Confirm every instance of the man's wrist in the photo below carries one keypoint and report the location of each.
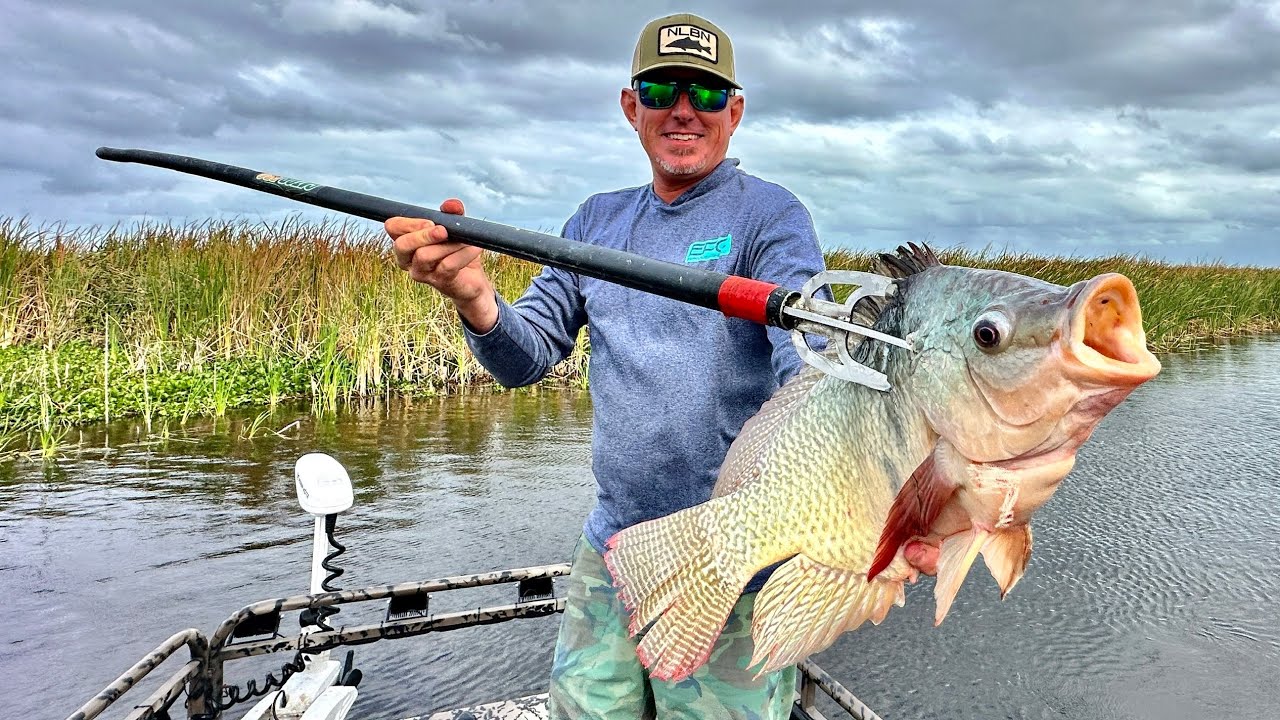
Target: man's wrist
(480, 314)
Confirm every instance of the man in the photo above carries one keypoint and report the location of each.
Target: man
(671, 384)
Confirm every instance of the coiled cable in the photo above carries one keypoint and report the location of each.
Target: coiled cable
(235, 695)
(335, 572)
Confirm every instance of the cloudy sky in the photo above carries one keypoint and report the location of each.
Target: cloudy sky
(1082, 128)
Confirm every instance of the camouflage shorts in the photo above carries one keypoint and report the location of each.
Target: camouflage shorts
(596, 674)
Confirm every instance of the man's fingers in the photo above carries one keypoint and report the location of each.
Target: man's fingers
(403, 248)
(438, 233)
(415, 231)
(406, 245)
(439, 265)
(408, 232)
(922, 556)
(398, 226)
(423, 248)
(455, 261)
(431, 257)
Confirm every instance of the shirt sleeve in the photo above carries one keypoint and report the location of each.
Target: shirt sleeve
(538, 330)
(787, 254)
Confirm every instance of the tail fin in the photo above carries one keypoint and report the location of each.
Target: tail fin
(806, 605)
(668, 574)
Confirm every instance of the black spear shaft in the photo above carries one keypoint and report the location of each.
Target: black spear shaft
(732, 295)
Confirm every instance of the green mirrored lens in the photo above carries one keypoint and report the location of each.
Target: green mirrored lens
(664, 95)
(658, 95)
(707, 99)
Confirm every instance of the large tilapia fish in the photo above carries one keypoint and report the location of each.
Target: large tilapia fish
(859, 491)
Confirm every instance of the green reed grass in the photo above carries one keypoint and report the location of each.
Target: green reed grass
(180, 320)
(1184, 307)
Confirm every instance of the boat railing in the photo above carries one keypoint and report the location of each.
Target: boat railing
(254, 630)
(185, 679)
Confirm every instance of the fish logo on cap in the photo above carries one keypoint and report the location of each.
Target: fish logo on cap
(688, 40)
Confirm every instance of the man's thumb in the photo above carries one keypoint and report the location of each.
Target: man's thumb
(453, 206)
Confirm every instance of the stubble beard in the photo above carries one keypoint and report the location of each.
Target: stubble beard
(682, 169)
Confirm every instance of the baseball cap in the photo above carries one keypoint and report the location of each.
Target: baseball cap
(684, 40)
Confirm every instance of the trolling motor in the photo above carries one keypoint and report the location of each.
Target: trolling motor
(324, 490)
(739, 297)
(325, 689)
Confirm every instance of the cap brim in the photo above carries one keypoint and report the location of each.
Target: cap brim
(699, 68)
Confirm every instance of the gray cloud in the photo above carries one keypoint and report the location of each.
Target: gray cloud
(1247, 153)
(1086, 128)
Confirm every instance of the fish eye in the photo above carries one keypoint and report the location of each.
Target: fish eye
(991, 331)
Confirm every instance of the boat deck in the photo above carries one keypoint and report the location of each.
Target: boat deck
(326, 687)
(532, 707)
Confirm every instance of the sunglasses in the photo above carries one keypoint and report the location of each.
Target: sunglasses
(662, 95)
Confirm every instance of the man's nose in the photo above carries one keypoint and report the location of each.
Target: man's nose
(683, 107)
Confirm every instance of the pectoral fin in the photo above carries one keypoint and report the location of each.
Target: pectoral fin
(918, 503)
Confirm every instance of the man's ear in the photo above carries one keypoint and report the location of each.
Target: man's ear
(737, 104)
(628, 102)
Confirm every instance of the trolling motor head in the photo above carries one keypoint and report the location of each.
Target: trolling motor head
(322, 484)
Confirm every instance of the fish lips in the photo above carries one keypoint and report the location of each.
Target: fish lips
(1102, 337)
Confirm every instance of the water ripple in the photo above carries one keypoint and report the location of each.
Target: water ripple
(1151, 593)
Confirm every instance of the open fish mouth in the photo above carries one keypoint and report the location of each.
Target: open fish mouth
(1105, 340)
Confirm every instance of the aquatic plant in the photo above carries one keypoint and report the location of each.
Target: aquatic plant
(169, 320)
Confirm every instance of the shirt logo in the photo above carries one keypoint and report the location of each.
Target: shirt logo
(705, 250)
(688, 40)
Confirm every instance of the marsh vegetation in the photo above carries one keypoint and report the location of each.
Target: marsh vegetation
(168, 321)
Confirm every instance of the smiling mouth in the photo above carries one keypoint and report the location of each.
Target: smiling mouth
(685, 137)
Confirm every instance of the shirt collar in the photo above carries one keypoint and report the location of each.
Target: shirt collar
(725, 170)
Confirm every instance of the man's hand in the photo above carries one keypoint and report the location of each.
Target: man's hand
(423, 249)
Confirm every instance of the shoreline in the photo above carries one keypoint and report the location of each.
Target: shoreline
(181, 321)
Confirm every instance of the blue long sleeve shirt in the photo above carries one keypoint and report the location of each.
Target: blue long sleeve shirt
(671, 384)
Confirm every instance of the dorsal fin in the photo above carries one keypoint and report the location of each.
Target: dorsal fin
(909, 260)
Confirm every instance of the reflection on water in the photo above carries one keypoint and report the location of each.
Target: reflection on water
(1151, 591)
(105, 557)
(1151, 594)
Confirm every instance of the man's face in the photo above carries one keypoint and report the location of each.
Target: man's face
(683, 144)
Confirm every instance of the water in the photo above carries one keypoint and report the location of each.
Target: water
(1151, 593)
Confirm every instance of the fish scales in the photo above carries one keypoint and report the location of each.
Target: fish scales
(858, 492)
